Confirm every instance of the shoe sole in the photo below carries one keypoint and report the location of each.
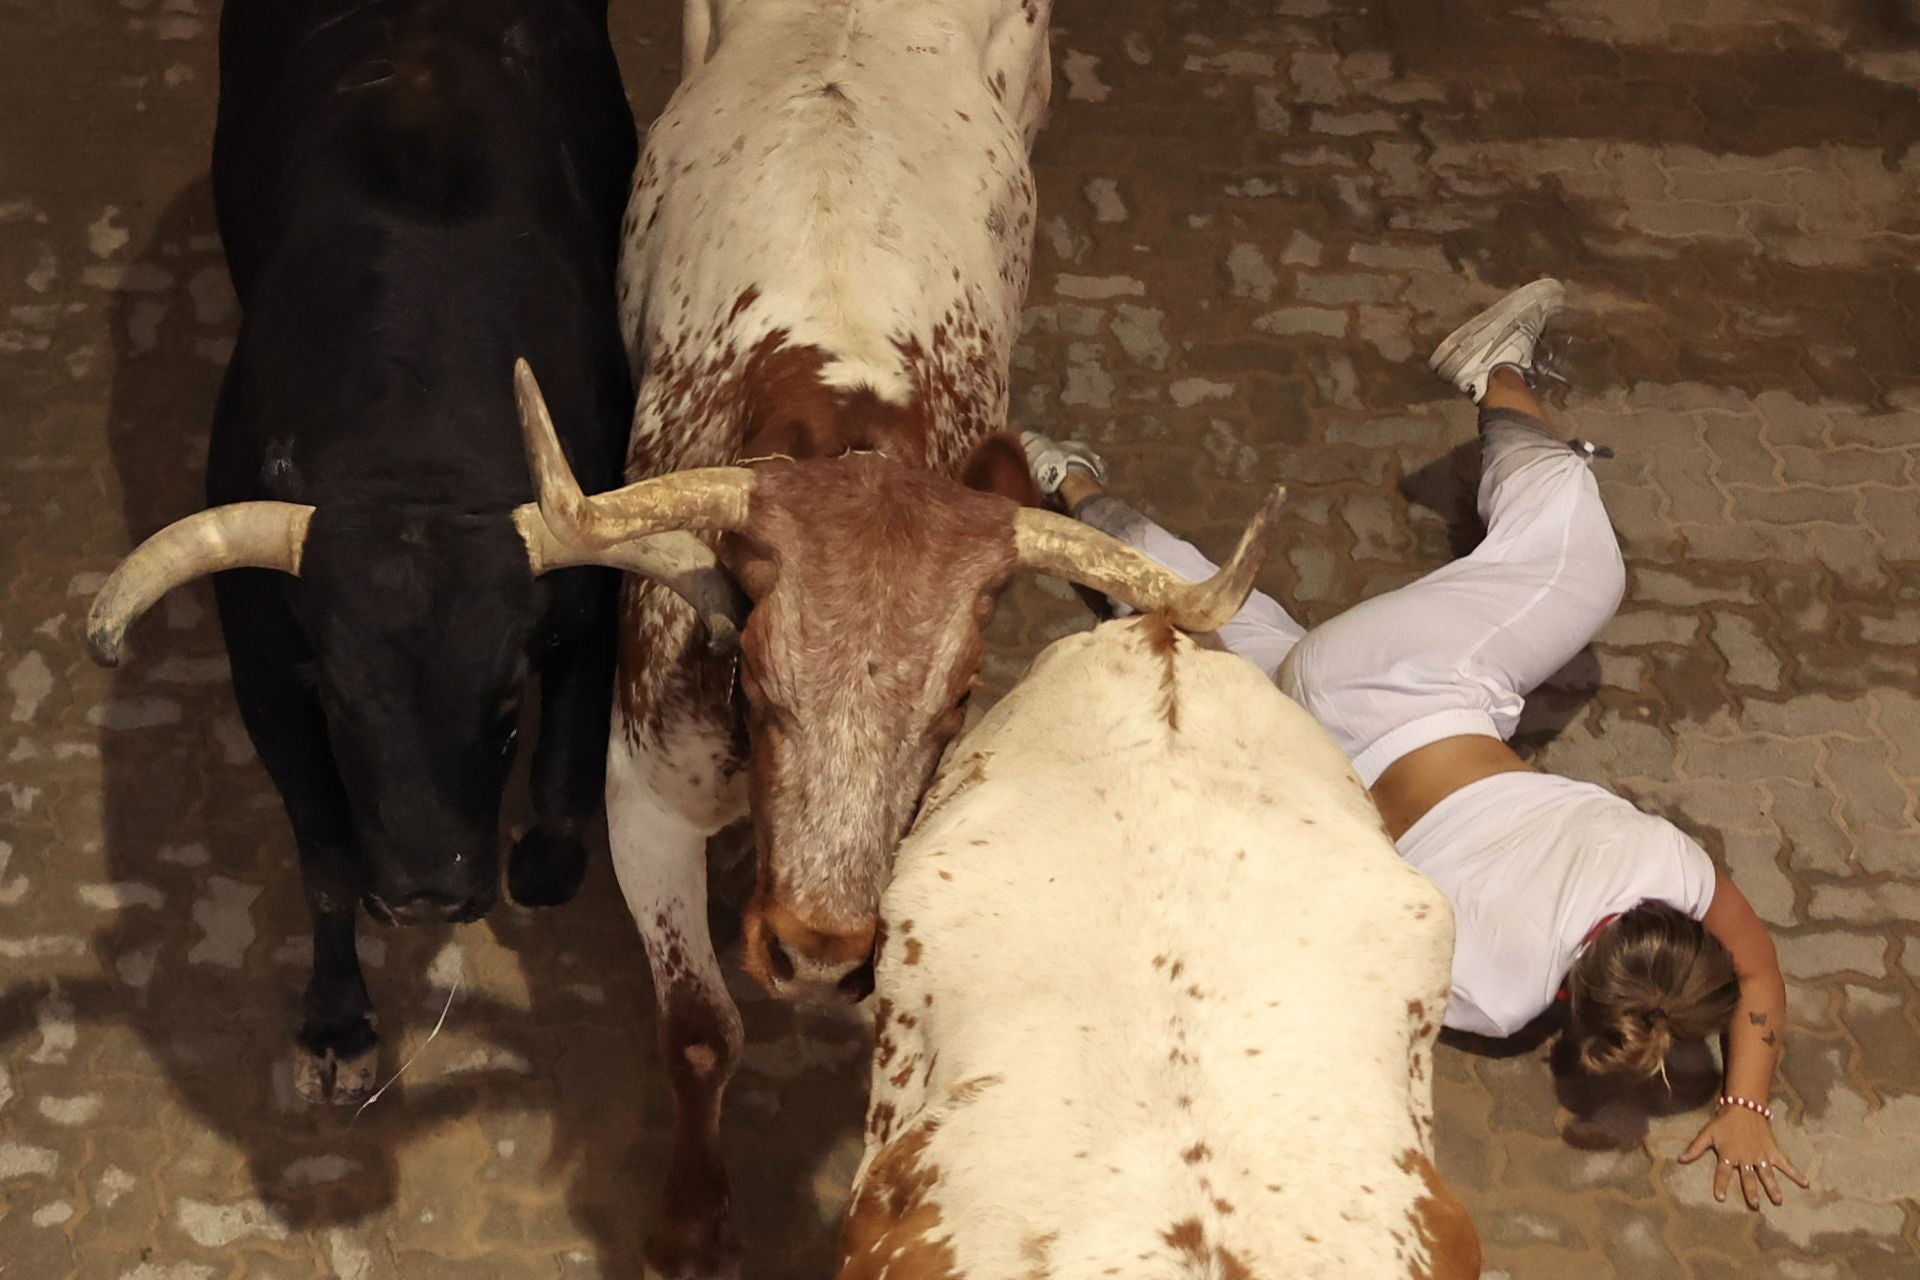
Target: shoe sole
(1497, 316)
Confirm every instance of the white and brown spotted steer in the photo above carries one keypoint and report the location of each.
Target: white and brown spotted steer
(827, 250)
(1157, 996)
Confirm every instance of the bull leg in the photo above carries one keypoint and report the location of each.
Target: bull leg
(549, 861)
(663, 803)
(338, 1048)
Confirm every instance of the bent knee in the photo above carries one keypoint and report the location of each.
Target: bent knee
(1594, 576)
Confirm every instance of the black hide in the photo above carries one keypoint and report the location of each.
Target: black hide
(412, 194)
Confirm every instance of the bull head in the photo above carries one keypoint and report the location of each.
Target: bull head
(413, 640)
(872, 582)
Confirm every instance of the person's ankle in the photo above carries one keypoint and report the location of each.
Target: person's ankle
(1511, 377)
(1076, 488)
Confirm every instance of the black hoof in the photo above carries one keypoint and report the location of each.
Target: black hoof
(337, 1067)
(545, 869)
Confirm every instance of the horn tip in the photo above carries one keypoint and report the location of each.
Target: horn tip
(104, 648)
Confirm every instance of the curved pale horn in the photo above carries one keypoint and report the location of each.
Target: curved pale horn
(710, 498)
(1056, 544)
(643, 528)
(675, 559)
(241, 535)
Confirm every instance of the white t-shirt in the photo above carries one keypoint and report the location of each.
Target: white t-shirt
(1531, 862)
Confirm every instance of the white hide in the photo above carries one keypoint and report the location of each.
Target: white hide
(860, 167)
(851, 174)
(1164, 992)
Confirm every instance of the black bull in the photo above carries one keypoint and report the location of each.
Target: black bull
(412, 194)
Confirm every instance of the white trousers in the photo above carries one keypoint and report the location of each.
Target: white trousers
(1458, 650)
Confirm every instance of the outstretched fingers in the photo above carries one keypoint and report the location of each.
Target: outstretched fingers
(1787, 1166)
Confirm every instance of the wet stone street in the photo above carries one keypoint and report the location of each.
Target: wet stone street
(1256, 219)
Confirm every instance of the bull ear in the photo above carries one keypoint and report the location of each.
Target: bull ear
(999, 465)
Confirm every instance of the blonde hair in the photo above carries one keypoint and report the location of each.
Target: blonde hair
(1651, 979)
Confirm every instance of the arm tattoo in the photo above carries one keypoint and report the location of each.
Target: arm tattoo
(1757, 1019)
(1770, 1039)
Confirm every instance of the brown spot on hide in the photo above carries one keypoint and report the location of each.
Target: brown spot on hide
(913, 952)
(1187, 1236)
(888, 1226)
(967, 1090)
(1189, 1239)
(1446, 1232)
(1196, 1153)
(791, 411)
(1163, 642)
(1035, 1249)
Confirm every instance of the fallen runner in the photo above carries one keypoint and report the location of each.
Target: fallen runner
(1557, 885)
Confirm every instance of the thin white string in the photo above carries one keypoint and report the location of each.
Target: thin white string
(451, 991)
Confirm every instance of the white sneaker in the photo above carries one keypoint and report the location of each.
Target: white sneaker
(1505, 333)
(1049, 460)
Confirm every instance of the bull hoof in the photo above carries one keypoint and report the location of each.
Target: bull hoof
(326, 1077)
(337, 1065)
(545, 868)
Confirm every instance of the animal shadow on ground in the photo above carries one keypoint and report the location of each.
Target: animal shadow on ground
(212, 991)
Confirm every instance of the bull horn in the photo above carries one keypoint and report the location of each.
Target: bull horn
(675, 559)
(1049, 543)
(713, 499)
(644, 528)
(240, 535)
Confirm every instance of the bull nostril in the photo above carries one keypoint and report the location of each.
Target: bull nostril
(779, 963)
(857, 985)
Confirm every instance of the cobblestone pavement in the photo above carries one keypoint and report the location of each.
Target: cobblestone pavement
(1257, 217)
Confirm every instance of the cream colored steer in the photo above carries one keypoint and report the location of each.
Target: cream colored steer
(1157, 996)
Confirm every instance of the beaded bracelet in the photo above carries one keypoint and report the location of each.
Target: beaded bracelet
(1735, 1100)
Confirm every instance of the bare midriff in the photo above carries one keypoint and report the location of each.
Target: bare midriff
(1425, 776)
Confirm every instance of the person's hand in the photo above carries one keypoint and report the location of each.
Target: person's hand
(1742, 1142)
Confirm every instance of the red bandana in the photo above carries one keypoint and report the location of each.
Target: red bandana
(1592, 933)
